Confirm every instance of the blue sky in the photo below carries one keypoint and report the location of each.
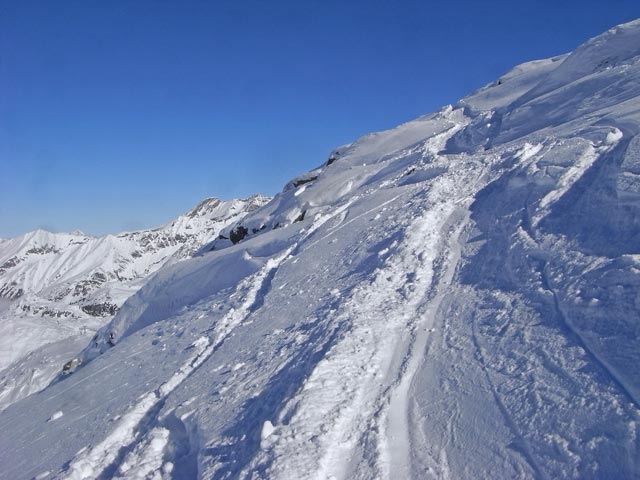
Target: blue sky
(118, 115)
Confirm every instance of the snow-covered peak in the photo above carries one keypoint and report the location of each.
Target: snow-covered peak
(614, 48)
(204, 207)
(40, 259)
(511, 86)
(213, 208)
(544, 93)
(561, 87)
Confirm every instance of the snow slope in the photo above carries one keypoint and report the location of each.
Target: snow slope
(453, 298)
(57, 289)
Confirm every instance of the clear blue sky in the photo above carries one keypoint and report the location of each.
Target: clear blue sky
(118, 115)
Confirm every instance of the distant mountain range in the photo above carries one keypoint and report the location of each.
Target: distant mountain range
(71, 275)
(59, 285)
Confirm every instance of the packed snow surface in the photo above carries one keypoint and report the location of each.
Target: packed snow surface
(457, 297)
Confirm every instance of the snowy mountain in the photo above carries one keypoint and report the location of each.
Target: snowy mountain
(57, 288)
(453, 298)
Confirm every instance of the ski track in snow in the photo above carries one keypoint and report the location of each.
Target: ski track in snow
(64, 276)
(396, 429)
(347, 389)
(144, 458)
(524, 446)
(92, 462)
(147, 458)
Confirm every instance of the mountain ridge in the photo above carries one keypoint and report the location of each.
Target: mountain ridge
(60, 287)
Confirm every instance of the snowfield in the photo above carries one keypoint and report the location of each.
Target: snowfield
(455, 298)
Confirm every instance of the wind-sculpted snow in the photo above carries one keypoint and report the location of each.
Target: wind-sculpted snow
(453, 298)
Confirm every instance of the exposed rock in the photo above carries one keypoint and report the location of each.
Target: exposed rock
(300, 217)
(100, 309)
(203, 207)
(302, 181)
(71, 366)
(12, 262)
(238, 233)
(11, 291)
(83, 287)
(46, 311)
(42, 250)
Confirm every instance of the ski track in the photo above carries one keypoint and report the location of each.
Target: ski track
(395, 434)
(575, 172)
(524, 447)
(90, 463)
(389, 320)
(584, 344)
(147, 458)
(346, 392)
(144, 458)
(568, 179)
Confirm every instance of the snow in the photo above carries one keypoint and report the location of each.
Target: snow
(453, 298)
(512, 85)
(90, 463)
(528, 151)
(267, 430)
(145, 462)
(58, 273)
(56, 415)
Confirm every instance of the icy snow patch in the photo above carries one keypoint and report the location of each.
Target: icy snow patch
(528, 151)
(613, 137)
(267, 437)
(56, 416)
(146, 460)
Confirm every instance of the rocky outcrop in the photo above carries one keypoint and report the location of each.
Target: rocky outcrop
(100, 309)
(237, 234)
